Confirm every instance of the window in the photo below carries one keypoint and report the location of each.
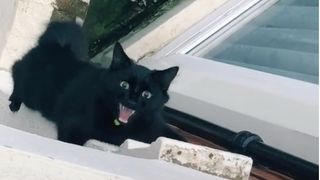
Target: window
(225, 71)
(274, 36)
(282, 40)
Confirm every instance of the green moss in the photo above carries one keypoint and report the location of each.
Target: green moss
(68, 10)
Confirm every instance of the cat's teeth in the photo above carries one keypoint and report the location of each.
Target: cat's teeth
(121, 106)
(124, 108)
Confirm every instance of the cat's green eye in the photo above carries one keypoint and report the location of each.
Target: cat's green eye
(146, 94)
(124, 84)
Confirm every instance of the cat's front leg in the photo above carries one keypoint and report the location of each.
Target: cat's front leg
(73, 133)
(15, 102)
(110, 138)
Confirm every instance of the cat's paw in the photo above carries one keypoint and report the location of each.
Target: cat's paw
(14, 106)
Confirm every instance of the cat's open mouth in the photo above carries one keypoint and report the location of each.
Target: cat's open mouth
(125, 113)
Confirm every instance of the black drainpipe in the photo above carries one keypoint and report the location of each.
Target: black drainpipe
(245, 143)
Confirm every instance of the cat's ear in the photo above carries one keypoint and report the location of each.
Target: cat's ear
(120, 59)
(164, 77)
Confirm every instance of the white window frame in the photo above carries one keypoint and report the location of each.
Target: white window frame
(282, 110)
(218, 25)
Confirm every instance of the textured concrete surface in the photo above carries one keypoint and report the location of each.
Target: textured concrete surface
(212, 161)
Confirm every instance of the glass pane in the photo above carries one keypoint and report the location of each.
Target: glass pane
(283, 40)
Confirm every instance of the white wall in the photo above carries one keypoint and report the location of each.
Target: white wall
(7, 13)
(28, 22)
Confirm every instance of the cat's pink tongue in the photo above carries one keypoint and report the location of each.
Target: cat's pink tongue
(125, 113)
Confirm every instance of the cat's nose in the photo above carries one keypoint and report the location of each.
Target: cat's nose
(132, 102)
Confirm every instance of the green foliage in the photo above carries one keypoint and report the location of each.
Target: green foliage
(103, 15)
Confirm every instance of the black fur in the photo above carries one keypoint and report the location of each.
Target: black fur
(83, 100)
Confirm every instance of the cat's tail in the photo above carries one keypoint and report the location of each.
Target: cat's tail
(69, 35)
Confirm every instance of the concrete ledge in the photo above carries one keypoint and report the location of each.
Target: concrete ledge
(17, 165)
(106, 162)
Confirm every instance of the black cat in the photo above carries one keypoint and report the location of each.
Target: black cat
(87, 102)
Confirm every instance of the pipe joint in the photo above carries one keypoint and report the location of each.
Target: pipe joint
(242, 139)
